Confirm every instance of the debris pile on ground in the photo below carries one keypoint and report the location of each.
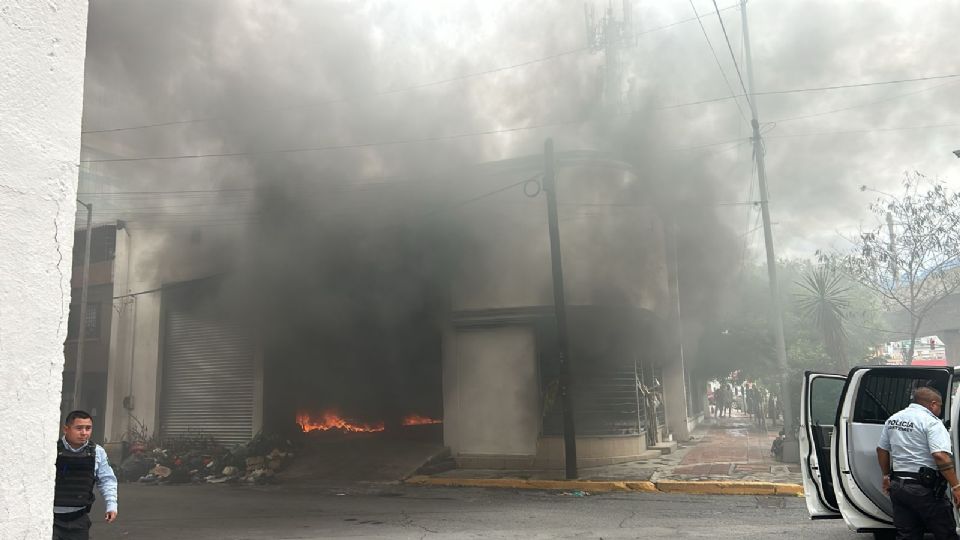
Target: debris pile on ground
(199, 460)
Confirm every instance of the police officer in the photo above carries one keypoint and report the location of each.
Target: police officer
(921, 470)
(80, 465)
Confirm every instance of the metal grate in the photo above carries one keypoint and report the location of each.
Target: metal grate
(605, 404)
(208, 383)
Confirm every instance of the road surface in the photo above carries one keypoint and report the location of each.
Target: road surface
(204, 512)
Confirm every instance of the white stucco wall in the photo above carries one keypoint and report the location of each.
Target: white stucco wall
(612, 244)
(490, 392)
(146, 260)
(41, 101)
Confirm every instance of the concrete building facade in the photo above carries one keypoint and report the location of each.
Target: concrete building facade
(498, 366)
(501, 407)
(41, 102)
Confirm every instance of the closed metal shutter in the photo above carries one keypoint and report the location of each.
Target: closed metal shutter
(605, 404)
(208, 382)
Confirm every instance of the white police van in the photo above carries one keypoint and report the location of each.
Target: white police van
(840, 422)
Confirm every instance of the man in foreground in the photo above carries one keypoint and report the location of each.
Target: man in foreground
(80, 465)
(917, 464)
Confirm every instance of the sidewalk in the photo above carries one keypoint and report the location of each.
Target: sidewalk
(724, 455)
(731, 449)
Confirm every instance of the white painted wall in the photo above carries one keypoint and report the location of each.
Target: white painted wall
(146, 260)
(491, 393)
(611, 254)
(41, 102)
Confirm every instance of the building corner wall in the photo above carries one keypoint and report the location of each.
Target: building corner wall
(41, 102)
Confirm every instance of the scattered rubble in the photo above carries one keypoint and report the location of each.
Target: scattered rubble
(198, 460)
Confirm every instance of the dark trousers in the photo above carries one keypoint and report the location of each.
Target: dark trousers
(916, 508)
(71, 529)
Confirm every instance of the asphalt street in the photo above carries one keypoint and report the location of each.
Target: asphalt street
(204, 512)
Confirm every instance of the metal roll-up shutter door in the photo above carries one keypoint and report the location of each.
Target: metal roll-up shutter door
(208, 384)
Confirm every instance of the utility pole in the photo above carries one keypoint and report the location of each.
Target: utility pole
(82, 324)
(560, 309)
(777, 313)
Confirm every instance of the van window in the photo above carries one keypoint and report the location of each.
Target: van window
(886, 391)
(824, 399)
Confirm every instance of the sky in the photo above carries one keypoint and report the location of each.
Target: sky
(245, 77)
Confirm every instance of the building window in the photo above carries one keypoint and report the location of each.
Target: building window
(92, 326)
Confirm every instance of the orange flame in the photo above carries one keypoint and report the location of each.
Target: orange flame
(330, 420)
(418, 420)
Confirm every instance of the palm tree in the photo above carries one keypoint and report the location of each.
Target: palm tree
(826, 302)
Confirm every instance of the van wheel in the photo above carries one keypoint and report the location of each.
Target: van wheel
(889, 534)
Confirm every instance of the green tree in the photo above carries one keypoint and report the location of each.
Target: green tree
(825, 301)
(910, 257)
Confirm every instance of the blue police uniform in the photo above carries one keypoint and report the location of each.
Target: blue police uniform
(912, 436)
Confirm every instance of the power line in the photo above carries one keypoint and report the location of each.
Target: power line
(419, 86)
(220, 190)
(813, 89)
(864, 104)
(334, 147)
(740, 140)
(860, 131)
(355, 98)
(717, 60)
(730, 48)
(815, 134)
(158, 222)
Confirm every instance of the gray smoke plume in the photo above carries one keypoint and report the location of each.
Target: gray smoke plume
(340, 252)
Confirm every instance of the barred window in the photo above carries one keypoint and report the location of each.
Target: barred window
(884, 392)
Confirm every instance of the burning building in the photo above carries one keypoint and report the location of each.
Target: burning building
(444, 316)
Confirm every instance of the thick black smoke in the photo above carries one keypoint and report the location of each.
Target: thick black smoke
(342, 258)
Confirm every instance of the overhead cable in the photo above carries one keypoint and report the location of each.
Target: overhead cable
(333, 147)
(730, 48)
(404, 89)
(813, 89)
(717, 60)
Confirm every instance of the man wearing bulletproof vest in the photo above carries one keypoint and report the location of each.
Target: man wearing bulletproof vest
(917, 464)
(81, 464)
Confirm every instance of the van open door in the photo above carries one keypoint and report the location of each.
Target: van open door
(953, 425)
(871, 396)
(819, 402)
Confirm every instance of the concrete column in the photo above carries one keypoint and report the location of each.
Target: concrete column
(674, 387)
(675, 399)
(41, 98)
(951, 340)
(116, 420)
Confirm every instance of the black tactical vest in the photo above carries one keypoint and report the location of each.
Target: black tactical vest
(75, 476)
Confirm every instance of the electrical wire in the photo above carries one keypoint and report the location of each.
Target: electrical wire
(813, 89)
(419, 86)
(732, 56)
(861, 131)
(334, 147)
(865, 104)
(717, 60)
(354, 98)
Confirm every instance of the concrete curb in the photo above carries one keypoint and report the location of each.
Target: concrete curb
(597, 486)
(730, 488)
